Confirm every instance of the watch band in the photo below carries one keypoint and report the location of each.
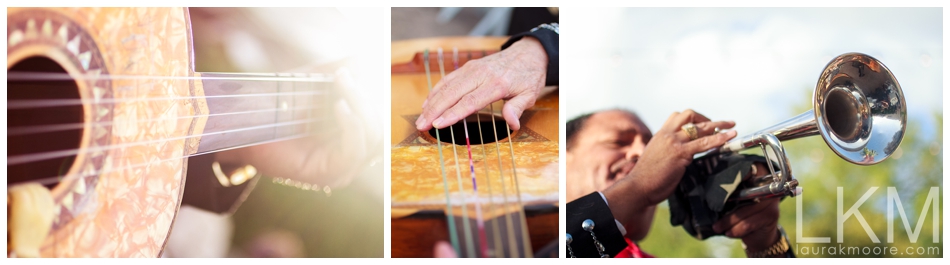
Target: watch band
(781, 249)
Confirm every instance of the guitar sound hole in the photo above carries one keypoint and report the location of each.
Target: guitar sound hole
(487, 132)
(29, 128)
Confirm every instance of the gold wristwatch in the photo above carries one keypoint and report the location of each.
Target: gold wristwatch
(777, 250)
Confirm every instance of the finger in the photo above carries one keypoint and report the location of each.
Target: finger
(453, 76)
(703, 144)
(469, 104)
(345, 86)
(732, 219)
(709, 128)
(694, 117)
(766, 218)
(340, 165)
(444, 250)
(515, 107)
(689, 116)
(676, 121)
(447, 93)
(669, 123)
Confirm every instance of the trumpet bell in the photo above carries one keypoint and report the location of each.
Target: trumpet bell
(860, 109)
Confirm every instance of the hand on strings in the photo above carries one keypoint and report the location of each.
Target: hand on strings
(515, 74)
(332, 159)
(756, 224)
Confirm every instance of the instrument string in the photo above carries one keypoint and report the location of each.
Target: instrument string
(57, 179)
(483, 247)
(445, 183)
(46, 76)
(46, 103)
(496, 234)
(25, 130)
(512, 242)
(33, 157)
(466, 224)
(514, 174)
(491, 196)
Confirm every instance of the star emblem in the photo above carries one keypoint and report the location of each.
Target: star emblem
(731, 187)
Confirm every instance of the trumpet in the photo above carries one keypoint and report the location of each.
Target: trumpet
(859, 111)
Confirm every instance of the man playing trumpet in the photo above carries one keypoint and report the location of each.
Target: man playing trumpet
(618, 171)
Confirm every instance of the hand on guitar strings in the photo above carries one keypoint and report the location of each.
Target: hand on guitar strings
(516, 74)
(327, 159)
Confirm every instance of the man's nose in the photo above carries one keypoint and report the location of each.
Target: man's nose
(633, 152)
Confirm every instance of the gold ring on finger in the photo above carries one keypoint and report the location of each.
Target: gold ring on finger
(691, 131)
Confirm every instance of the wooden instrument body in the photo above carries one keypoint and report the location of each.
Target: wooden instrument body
(418, 194)
(121, 195)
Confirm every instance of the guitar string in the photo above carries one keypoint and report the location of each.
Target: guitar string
(25, 130)
(33, 157)
(47, 76)
(445, 183)
(47, 103)
(466, 224)
(514, 172)
(496, 234)
(480, 223)
(512, 244)
(57, 179)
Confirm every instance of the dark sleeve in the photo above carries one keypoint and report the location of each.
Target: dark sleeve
(202, 189)
(593, 207)
(548, 39)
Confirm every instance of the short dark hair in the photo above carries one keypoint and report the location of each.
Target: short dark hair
(575, 125)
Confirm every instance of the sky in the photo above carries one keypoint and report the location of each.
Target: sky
(749, 65)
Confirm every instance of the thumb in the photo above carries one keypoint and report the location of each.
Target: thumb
(514, 108)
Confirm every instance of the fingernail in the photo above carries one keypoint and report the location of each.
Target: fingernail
(731, 133)
(729, 234)
(420, 122)
(437, 122)
(424, 103)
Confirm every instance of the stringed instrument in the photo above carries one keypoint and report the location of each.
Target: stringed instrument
(489, 191)
(104, 109)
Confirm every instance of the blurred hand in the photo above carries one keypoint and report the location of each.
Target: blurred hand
(756, 225)
(516, 74)
(444, 250)
(328, 159)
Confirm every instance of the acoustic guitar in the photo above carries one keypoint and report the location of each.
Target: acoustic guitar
(489, 191)
(104, 109)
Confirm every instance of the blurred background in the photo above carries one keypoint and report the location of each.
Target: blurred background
(424, 22)
(277, 220)
(758, 67)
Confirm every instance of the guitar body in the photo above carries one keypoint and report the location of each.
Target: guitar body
(419, 205)
(122, 190)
